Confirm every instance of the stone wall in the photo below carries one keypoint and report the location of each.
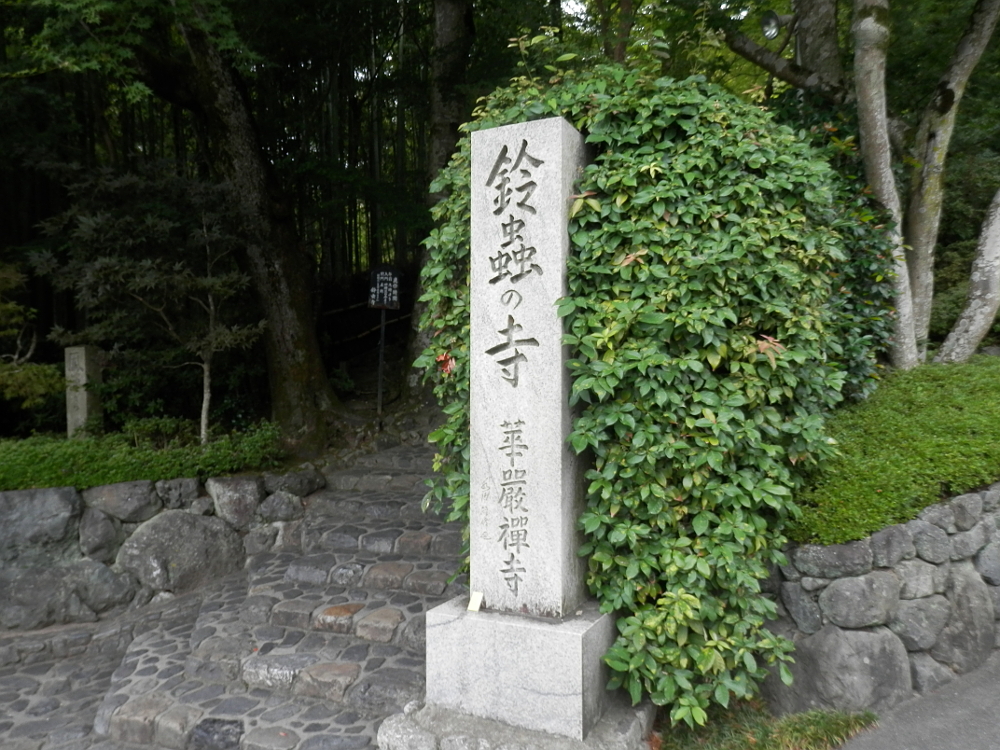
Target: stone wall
(72, 557)
(898, 613)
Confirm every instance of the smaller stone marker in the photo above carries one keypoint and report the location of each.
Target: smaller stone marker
(83, 369)
(531, 657)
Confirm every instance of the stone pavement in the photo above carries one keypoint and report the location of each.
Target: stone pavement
(308, 649)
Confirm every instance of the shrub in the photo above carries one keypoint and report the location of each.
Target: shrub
(924, 435)
(704, 243)
(92, 461)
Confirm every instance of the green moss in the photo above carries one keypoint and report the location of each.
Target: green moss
(924, 435)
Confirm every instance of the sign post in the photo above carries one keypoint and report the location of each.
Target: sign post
(383, 294)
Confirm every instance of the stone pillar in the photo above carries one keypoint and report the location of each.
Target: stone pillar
(532, 657)
(83, 368)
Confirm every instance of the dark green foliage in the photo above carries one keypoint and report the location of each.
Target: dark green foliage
(750, 726)
(924, 435)
(144, 454)
(705, 240)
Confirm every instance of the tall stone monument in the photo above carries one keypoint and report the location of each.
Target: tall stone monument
(83, 369)
(531, 655)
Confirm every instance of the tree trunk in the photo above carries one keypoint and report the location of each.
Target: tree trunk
(453, 36)
(871, 38)
(984, 293)
(923, 216)
(302, 400)
(816, 41)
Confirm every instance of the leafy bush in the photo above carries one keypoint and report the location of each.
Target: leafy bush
(705, 238)
(92, 461)
(924, 435)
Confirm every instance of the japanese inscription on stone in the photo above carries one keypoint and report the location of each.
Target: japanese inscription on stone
(521, 468)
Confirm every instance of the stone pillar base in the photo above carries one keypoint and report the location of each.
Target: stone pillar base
(529, 672)
(435, 728)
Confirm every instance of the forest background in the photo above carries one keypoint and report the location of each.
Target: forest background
(209, 182)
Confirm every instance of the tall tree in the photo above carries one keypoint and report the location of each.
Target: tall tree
(918, 226)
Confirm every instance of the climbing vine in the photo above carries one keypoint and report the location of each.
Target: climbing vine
(701, 312)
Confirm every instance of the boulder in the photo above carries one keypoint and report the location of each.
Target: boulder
(861, 601)
(967, 543)
(844, 670)
(930, 541)
(282, 506)
(918, 622)
(178, 551)
(33, 598)
(991, 498)
(967, 510)
(835, 560)
(988, 563)
(236, 498)
(942, 516)
(801, 607)
(131, 502)
(967, 640)
(916, 578)
(39, 527)
(892, 544)
(178, 493)
(100, 535)
(928, 674)
(302, 483)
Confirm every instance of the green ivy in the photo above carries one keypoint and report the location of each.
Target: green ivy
(702, 317)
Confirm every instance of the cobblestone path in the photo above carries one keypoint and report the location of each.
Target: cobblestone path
(304, 650)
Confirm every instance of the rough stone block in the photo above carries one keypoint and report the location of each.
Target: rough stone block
(294, 613)
(327, 681)
(373, 482)
(835, 560)
(447, 544)
(433, 582)
(928, 674)
(314, 569)
(259, 539)
(127, 501)
(967, 510)
(991, 498)
(413, 543)
(809, 583)
(347, 575)
(236, 498)
(965, 544)
(918, 622)
(302, 483)
(844, 670)
(269, 738)
(988, 563)
(892, 544)
(380, 541)
(801, 607)
(538, 674)
(282, 506)
(968, 638)
(916, 579)
(179, 551)
(338, 618)
(942, 516)
(931, 541)
(861, 601)
(387, 575)
(216, 734)
(39, 526)
(380, 625)
(275, 671)
(178, 493)
(134, 722)
(173, 727)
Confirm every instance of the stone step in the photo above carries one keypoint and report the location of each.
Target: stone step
(223, 681)
(424, 537)
(341, 504)
(407, 459)
(419, 575)
(374, 479)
